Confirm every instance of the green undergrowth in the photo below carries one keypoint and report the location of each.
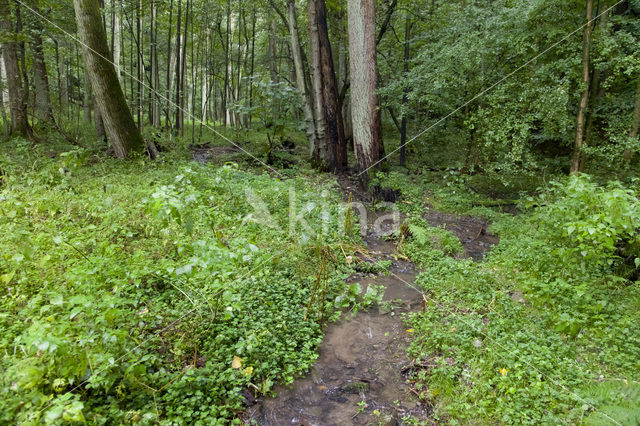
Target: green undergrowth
(546, 329)
(158, 291)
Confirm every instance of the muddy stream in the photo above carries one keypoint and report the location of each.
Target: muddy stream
(359, 376)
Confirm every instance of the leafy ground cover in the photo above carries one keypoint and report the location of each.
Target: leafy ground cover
(545, 330)
(144, 291)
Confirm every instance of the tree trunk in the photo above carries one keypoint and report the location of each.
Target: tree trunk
(580, 120)
(19, 123)
(87, 104)
(299, 67)
(635, 124)
(167, 112)
(334, 130)
(178, 66)
(6, 125)
(118, 122)
(365, 114)
(320, 147)
(41, 79)
(273, 67)
(405, 91)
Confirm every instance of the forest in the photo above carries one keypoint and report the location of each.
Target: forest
(380, 212)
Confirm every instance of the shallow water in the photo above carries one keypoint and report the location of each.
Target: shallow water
(362, 358)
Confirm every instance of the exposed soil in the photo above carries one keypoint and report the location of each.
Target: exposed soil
(471, 231)
(206, 153)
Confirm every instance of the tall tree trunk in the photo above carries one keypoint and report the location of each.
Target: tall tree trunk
(227, 64)
(183, 65)
(251, 69)
(635, 123)
(120, 128)
(320, 147)
(6, 125)
(178, 66)
(19, 123)
(41, 79)
(365, 114)
(405, 91)
(299, 67)
(167, 112)
(580, 119)
(334, 130)
(273, 67)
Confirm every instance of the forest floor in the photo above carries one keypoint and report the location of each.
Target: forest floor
(150, 292)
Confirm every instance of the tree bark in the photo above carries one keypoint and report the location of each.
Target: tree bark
(19, 123)
(41, 79)
(405, 91)
(635, 124)
(365, 114)
(273, 67)
(580, 119)
(334, 130)
(320, 147)
(119, 126)
(299, 67)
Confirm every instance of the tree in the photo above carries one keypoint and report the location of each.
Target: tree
(365, 114)
(118, 122)
(19, 122)
(335, 142)
(576, 165)
(635, 122)
(300, 78)
(41, 79)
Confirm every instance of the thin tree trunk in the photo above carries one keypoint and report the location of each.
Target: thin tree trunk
(365, 114)
(6, 125)
(405, 91)
(253, 45)
(118, 122)
(227, 61)
(320, 147)
(19, 123)
(273, 67)
(580, 119)
(41, 79)
(183, 65)
(299, 68)
(635, 124)
(167, 111)
(178, 66)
